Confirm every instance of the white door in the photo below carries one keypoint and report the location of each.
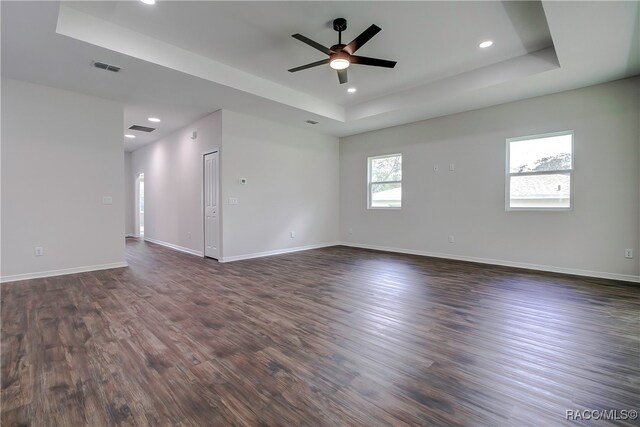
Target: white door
(211, 205)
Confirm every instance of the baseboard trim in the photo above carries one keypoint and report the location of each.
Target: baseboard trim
(548, 268)
(63, 272)
(175, 247)
(277, 252)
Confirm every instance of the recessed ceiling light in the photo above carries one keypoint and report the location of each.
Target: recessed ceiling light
(148, 1)
(486, 44)
(128, 135)
(153, 119)
(352, 90)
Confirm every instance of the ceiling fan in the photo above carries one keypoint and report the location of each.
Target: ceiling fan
(340, 55)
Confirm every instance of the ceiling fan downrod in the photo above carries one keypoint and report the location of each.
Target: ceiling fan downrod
(339, 24)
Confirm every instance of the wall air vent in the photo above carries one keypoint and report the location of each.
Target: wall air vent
(311, 122)
(142, 128)
(107, 67)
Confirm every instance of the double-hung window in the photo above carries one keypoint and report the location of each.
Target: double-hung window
(540, 172)
(385, 182)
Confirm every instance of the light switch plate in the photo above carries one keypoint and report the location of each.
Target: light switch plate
(107, 200)
(234, 201)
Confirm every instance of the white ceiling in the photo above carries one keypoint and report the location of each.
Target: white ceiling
(256, 37)
(182, 60)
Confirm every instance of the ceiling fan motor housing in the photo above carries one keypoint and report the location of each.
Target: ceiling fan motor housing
(337, 47)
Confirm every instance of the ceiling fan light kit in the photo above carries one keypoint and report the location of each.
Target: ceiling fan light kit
(341, 56)
(339, 61)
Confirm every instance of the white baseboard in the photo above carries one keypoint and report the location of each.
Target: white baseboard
(175, 247)
(51, 273)
(277, 252)
(549, 268)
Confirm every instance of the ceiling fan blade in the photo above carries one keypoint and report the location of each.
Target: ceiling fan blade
(313, 64)
(362, 39)
(311, 43)
(342, 76)
(363, 60)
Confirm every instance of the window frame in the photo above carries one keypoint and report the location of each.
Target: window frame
(369, 183)
(509, 174)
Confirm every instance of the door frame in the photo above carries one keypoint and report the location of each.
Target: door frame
(204, 206)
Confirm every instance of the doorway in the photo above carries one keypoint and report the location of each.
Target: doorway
(139, 206)
(211, 233)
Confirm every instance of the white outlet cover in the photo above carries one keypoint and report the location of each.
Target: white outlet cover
(107, 200)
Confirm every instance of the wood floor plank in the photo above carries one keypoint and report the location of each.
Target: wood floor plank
(334, 336)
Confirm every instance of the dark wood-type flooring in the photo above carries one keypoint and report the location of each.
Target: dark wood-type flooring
(327, 337)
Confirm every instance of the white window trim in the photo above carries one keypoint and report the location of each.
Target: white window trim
(509, 174)
(369, 183)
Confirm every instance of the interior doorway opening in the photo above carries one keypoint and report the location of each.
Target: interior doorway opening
(139, 215)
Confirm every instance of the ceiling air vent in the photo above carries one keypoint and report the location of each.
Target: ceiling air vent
(142, 128)
(311, 122)
(107, 67)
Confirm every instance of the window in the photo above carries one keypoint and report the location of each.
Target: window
(540, 172)
(385, 182)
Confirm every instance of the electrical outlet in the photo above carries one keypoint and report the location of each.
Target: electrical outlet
(350, 230)
(452, 167)
(39, 251)
(234, 201)
(436, 168)
(451, 239)
(628, 253)
(292, 234)
(189, 235)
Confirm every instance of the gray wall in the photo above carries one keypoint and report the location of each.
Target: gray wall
(61, 153)
(469, 202)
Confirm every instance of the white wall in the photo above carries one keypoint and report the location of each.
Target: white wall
(173, 180)
(292, 174)
(292, 185)
(61, 153)
(129, 196)
(469, 202)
